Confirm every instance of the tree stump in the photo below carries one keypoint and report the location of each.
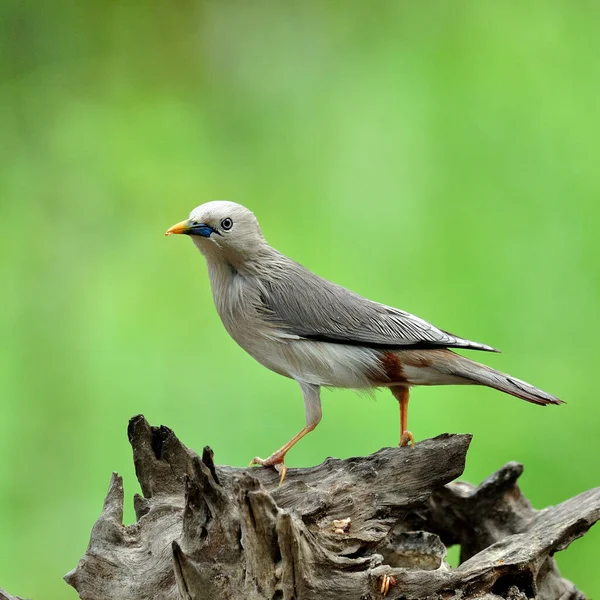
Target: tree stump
(357, 529)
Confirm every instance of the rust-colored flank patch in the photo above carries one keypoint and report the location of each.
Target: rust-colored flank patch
(391, 367)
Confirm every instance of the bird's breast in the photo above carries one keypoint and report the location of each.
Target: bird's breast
(237, 302)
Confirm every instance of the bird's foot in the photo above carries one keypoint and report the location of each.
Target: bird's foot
(275, 461)
(407, 438)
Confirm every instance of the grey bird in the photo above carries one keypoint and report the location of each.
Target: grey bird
(321, 334)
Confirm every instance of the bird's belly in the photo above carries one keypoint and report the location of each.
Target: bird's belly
(264, 349)
(320, 363)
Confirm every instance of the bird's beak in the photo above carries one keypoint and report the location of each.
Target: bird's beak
(187, 228)
(182, 227)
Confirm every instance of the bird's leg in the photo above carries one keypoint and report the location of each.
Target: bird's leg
(312, 406)
(276, 459)
(401, 394)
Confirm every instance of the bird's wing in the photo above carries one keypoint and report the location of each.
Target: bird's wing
(303, 304)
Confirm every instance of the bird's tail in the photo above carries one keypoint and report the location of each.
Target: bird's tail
(474, 372)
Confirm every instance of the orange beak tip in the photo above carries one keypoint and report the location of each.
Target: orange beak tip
(178, 228)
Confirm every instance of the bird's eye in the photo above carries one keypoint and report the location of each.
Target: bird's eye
(226, 224)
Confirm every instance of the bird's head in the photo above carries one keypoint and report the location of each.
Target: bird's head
(224, 229)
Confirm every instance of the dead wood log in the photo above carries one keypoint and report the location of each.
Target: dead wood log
(360, 529)
(6, 596)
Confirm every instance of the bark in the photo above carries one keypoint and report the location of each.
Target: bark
(4, 595)
(360, 529)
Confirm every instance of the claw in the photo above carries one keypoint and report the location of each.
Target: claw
(407, 438)
(282, 470)
(275, 461)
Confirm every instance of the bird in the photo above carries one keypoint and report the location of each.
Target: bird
(321, 334)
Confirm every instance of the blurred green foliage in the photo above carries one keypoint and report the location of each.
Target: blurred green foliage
(441, 157)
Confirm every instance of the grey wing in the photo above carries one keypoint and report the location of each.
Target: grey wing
(308, 306)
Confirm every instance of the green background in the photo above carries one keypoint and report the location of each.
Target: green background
(441, 157)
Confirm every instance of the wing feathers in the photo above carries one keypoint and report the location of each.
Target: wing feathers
(304, 304)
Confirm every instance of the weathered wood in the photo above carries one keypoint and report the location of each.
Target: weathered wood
(346, 529)
(6, 596)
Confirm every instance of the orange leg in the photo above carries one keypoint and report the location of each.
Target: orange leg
(401, 394)
(312, 405)
(276, 459)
